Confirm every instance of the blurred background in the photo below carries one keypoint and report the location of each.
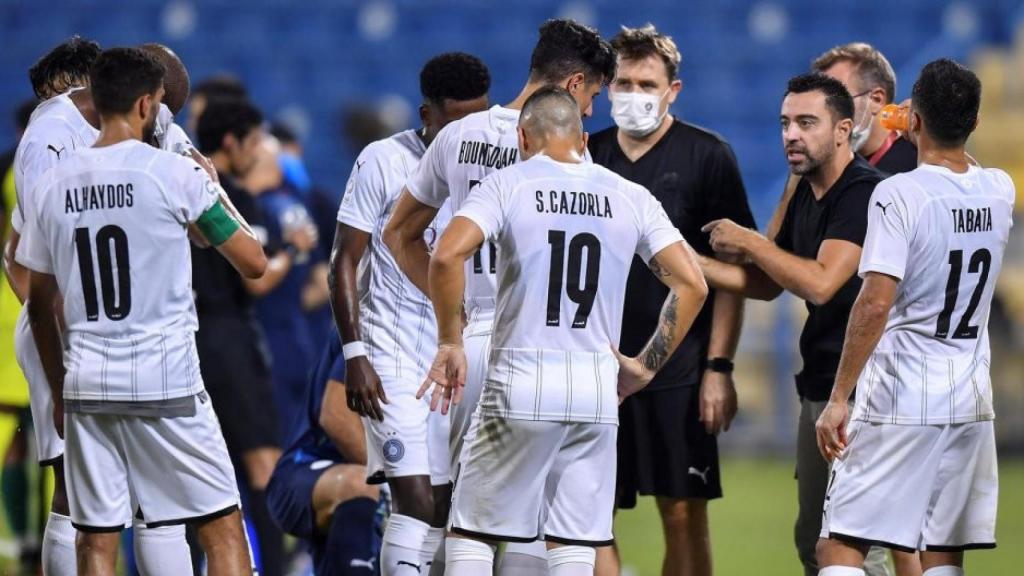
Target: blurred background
(341, 73)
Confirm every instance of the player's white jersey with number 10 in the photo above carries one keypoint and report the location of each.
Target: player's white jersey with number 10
(567, 234)
(942, 234)
(111, 224)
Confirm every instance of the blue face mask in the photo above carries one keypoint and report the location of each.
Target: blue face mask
(294, 172)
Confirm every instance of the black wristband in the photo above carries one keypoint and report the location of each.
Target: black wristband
(723, 365)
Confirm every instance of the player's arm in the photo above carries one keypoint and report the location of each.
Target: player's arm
(43, 295)
(867, 323)
(342, 425)
(364, 389)
(676, 267)
(225, 229)
(718, 402)
(17, 275)
(746, 280)
(447, 278)
(403, 235)
(816, 281)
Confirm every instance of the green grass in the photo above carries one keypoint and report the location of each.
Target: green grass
(752, 527)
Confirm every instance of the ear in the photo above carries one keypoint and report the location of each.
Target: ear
(229, 143)
(575, 82)
(876, 100)
(523, 147)
(674, 89)
(143, 104)
(585, 140)
(843, 129)
(425, 115)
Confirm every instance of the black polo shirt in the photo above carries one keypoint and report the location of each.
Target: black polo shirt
(693, 172)
(901, 157)
(842, 214)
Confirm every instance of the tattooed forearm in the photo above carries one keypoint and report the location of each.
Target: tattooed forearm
(656, 352)
(658, 270)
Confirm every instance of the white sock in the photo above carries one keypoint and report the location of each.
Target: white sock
(429, 553)
(467, 557)
(944, 571)
(59, 546)
(840, 571)
(403, 541)
(571, 561)
(529, 559)
(162, 550)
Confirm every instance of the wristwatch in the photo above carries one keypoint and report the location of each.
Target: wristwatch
(723, 365)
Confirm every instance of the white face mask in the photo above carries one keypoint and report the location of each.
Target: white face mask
(636, 113)
(861, 132)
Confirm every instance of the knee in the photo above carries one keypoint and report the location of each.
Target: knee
(684, 517)
(823, 552)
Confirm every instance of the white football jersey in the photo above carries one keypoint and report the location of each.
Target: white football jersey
(396, 318)
(169, 135)
(463, 154)
(567, 234)
(55, 130)
(111, 224)
(943, 235)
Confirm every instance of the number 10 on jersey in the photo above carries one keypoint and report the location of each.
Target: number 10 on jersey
(111, 251)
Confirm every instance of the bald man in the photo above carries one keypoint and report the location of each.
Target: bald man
(544, 434)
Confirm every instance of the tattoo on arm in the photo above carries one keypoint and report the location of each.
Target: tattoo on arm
(655, 353)
(658, 270)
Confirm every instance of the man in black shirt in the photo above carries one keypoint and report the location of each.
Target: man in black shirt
(667, 444)
(815, 256)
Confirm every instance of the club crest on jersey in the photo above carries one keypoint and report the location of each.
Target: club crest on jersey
(393, 450)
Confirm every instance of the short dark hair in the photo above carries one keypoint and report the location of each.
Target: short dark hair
(65, 66)
(223, 117)
(121, 76)
(947, 95)
(566, 47)
(176, 79)
(837, 97)
(454, 76)
(221, 87)
(639, 43)
(872, 67)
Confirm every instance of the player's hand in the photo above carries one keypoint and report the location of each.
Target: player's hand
(363, 389)
(58, 416)
(447, 376)
(727, 237)
(633, 375)
(205, 163)
(718, 403)
(831, 430)
(304, 238)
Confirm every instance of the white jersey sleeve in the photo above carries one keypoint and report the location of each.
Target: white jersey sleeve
(366, 192)
(37, 154)
(33, 252)
(890, 225)
(192, 191)
(656, 231)
(485, 207)
(429, 182)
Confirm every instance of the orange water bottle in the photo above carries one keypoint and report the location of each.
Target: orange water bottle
(894, 117)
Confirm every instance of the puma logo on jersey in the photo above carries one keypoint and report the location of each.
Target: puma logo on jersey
(884, 208)
(357, 563)
(404, 563)
(53, 149)
(359, 164)
(702, 475)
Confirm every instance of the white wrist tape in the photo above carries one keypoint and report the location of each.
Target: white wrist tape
(353, 350)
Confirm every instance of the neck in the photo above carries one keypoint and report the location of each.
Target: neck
(524, 94)
(221, 162)
(82, 99)
(563, 150)
(956, 158)
(875, 140)
(634, 147)
(115, 129)
(825, 177)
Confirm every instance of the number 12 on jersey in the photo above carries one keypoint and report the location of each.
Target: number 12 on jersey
(583, 295)
(111, 251)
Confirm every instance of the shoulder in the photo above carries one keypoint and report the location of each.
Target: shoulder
(1003, 182)
(861, 177)
(699, 139)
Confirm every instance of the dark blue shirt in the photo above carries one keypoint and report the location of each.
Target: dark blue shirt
(309, 442)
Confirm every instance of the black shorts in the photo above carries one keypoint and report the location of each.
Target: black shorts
(664, 449)
(235, 368)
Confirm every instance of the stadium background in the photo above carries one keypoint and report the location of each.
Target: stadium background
(326, 66)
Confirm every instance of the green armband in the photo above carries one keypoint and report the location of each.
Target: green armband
(217, 225)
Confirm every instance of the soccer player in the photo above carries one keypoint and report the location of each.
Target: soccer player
(106, 240)
(915, 468)
(318, 491)
(567, 54)
(814, 256)
(667, 433)
(386, 321)
(544, 431)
